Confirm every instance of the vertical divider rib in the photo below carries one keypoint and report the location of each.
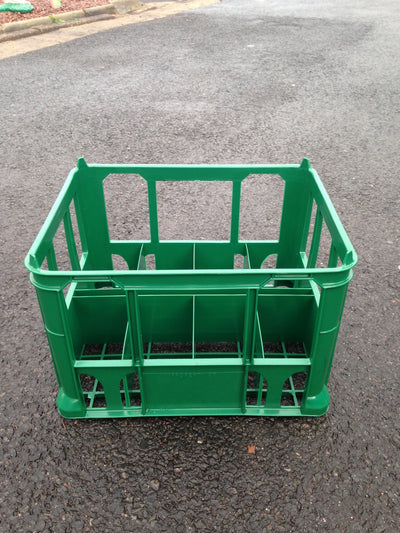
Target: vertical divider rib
(312, 258)
(91, 395)
(248, 256)
(249, 325)
(152, 194)
(259, 333)
(141, 389)
(333, 257)
(126, 392)
(260, 390)
(71, 245)
(284, 350)
(82, 234)
(194, 327)
(140, 264)
(292, 389)
(245, 379)
(235, 214)
(307, 221)
(135, 327)
(194, 310)
(125, 349)
(51, 258)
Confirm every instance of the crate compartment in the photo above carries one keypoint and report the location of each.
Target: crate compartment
(167, 256)
(167, 323)
(220, 256)
(191, 326)
(219, 318)
(97, 321)
(286, 323)
(150, 327)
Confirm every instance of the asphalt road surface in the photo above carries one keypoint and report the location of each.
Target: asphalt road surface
(236, 82)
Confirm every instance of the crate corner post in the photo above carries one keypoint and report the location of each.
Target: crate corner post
(70, 407)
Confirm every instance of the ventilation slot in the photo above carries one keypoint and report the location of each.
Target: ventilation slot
(93, 391)
(293, 390)
(130, 390)
(256, 391)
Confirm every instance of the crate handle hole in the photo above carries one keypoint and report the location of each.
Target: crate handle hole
(293, 389)
(240, 262)
(119, 263)
(93, 391)
(270, 261)
(150, 262)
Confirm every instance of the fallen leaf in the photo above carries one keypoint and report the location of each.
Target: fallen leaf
(251, 448)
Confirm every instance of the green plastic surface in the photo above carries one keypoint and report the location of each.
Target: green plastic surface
(185, 329)
(14, 7)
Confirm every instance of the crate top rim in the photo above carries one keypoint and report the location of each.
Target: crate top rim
(241, 171)
(273, 273)
(177, 280)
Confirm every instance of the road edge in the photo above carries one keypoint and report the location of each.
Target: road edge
(26, 28)
(76, 30)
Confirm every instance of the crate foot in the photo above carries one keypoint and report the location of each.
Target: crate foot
(316, 405)
(69, 407)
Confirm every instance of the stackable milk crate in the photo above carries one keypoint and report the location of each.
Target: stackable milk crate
(152, 327)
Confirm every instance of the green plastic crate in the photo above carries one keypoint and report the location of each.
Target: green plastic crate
(194, 327)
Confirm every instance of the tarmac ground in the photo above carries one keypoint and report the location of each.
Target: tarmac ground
(226, 83)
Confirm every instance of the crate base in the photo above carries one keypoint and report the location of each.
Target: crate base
(311, 407)
(137, 413)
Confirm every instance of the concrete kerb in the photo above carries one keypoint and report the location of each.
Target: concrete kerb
(24, 28)
(43, 36)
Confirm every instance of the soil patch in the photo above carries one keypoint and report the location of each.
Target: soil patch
(42, 8)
